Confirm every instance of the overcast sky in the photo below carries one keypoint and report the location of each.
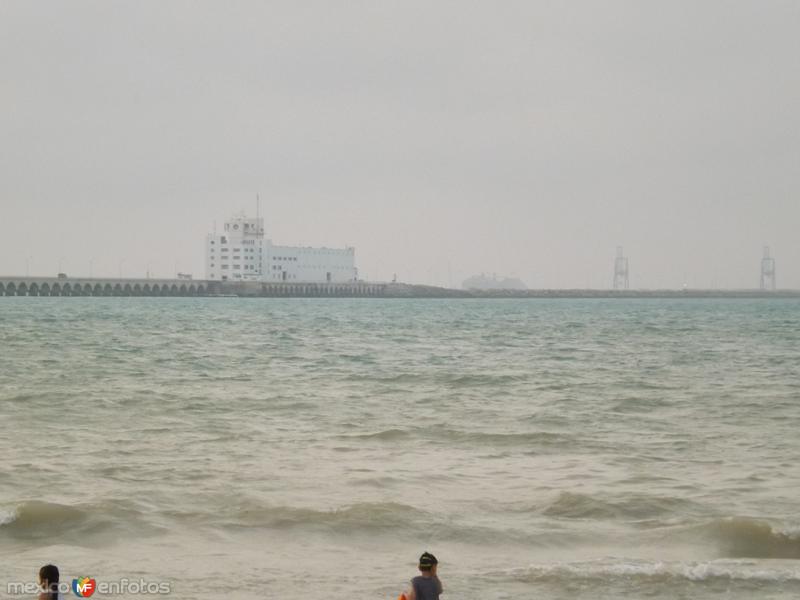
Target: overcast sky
(441, 139)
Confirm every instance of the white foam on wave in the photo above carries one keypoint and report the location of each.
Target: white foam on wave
(737, 570)
(793, 532)
(8, 516)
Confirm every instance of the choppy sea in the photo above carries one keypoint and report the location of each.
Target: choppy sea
(313, 448)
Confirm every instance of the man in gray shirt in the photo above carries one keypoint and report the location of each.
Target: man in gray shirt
(426, 586)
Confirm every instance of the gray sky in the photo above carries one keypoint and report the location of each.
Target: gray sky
(441, 139)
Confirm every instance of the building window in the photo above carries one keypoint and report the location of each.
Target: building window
(223, 266)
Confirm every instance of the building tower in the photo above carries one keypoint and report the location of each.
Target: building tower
(620, 271)
(767, 271)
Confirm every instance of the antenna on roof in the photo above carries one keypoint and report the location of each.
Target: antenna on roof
(258, 206)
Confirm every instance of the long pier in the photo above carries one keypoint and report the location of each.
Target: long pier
(88, 286)
(92, 286)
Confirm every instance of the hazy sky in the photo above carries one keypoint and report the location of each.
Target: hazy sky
(441, 139)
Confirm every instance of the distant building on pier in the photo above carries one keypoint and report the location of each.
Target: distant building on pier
(242, 253)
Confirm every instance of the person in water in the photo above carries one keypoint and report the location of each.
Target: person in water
(426, 585)
(48, 581)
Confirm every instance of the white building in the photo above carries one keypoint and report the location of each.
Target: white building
(241, 253)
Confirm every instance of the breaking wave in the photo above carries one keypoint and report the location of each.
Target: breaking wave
(656, 571)
(740, 537)
(41, 520)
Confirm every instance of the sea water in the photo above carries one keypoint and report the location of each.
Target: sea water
(313, 448)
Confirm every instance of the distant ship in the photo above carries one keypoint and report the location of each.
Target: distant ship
(484, 282)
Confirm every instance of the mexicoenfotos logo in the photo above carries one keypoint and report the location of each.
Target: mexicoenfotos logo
(84, 586)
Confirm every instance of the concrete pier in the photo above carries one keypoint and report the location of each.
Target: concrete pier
(354, 289)
(90, 286)
(85, 286)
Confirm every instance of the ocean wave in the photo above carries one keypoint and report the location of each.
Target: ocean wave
(638, 507)
(39, 520)
(383, 435)
(449, 379)
(645, 571)
(741, 537)
(107, 521)
(524, 439)
(391, 519)
(528, 439)
(459, 380)
(44, 517)
(364, 516)
(36, 519)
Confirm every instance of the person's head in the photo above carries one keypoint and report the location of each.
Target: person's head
(427, 563)
(48, 579)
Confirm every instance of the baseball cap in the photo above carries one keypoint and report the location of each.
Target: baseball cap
(427, 560)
